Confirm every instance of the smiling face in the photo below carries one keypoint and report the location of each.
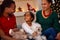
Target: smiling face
(10, 9)
(45, 5)
(28, 17)
(13, 6)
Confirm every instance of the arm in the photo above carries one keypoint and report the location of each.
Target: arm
(27, 30)
(2, 34)
(5, 37)
(15, 29)
(56, 23)
(57, 26)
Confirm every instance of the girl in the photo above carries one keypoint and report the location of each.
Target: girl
(7, 19)
(48, 20)
(32, 29)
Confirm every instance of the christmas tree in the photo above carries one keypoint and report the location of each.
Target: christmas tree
(56, 7)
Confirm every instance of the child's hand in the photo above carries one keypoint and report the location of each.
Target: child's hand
(25, 36)
(34, 34)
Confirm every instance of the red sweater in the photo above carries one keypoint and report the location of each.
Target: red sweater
(7, 23)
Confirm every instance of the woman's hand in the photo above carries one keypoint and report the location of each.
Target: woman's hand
(15, 29)
(5, 37)
(58, 36)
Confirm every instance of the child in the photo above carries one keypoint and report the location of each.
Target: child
(32, 29)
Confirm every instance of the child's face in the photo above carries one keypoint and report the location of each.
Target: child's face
(28, 17)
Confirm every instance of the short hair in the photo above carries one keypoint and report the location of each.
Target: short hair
(31, 14)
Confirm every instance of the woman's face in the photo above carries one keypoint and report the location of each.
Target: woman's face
(28, 17)
(11, 9)
(45, 5)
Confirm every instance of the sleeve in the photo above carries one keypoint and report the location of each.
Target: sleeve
(0, 25)
(15, 21)
(56, 23)
(27, 30)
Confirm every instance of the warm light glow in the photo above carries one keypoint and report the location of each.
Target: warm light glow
(16, 10)
(23, 10)
(36, 9)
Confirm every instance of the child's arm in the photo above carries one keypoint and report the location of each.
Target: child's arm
(27, 30)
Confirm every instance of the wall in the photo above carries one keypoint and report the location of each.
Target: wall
(23, 4)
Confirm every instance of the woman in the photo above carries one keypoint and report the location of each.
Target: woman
(48, 20)
(7, 19)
